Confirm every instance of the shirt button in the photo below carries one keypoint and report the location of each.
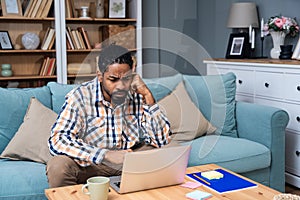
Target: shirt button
(113, 128)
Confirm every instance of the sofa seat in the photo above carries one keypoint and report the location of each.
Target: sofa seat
(22, 180)
(236, 154)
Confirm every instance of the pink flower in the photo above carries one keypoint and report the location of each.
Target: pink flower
(279, 23)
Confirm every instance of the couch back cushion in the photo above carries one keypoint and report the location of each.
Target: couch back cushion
(161, 87)
(215, 97)
(14, 103)
(58, 93)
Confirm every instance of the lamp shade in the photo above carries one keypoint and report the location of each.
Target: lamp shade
(242, 15)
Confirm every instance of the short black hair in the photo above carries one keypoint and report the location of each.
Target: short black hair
(114, 54)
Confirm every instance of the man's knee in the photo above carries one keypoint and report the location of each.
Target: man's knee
(61, 169)
(60, 163)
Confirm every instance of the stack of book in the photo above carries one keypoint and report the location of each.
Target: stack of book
(49, 38)
(70, 9)
(77, 39)
(48, 66)
(37, 8)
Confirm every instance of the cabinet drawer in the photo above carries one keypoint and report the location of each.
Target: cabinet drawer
(244, 81)
(269, 84)
(294, 114)
(292, 110)
(292, 87)
(292, 153)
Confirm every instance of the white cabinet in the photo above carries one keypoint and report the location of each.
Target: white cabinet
(274, 83)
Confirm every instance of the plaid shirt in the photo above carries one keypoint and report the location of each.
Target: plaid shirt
(88, 125)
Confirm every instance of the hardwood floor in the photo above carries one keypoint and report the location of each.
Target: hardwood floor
(292, 189)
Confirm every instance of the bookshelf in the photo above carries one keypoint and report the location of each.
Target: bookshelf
(27, 64)
(95, 28)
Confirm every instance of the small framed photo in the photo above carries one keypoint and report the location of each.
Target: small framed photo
(238, 45)
(5, 42)
(11, 8)
(117, 9)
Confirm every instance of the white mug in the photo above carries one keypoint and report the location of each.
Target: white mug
(97, 187)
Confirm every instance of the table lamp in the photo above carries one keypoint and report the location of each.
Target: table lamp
(242, 15)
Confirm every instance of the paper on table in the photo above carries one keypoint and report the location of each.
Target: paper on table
(191, 185)
(198, 195)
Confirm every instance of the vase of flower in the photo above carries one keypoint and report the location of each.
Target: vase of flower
(278, 39)
(279, 27)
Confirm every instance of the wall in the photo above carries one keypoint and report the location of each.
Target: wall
(204, 21)
(266, 9)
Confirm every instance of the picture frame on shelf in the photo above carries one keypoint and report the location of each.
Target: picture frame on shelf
(117, 9)
(238, 45)
(11, 8)
(5, 42)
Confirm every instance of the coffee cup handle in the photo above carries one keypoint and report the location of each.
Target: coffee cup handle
(85, 187)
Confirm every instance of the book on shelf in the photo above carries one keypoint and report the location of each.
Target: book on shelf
(25, 4)
(47, 67)
(46, 9)
(70, 9)
(49, 36)
(30, 8)
(44, 66)
(51, 44)
(80, 38)
(40, 10)
(70, 43)
(85, 37)
(51, 67)
(37, 8)
(76, 40)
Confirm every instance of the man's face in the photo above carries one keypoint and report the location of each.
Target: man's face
(116, 82)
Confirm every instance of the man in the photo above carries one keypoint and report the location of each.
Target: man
(102, 120)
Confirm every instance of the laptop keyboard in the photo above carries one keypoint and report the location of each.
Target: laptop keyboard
(117, 184)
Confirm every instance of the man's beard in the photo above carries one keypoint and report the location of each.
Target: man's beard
(118, 97)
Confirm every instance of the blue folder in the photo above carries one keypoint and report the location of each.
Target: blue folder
(229, 182)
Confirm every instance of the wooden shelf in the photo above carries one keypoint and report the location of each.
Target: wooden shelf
(108, 20)
(26, 77)
(25, 19)
(28, 51)
(81, 75)
(89, 50)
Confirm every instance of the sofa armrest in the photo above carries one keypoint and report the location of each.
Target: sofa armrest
(266, 125)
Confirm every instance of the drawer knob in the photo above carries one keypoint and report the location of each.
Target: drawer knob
(298, 153)
(298, 119)
(298, 88)
(267, 85)
(240, 81)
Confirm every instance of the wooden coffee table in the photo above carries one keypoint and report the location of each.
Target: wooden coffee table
(172, 192)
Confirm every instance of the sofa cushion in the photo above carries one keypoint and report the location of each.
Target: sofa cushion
(22, 180)
(161, 87)
(14, 103)
(187, 122)
(215, 97)
(237, 154)
(58, 93)
(31, 140)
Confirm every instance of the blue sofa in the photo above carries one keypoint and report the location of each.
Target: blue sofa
(249, 139)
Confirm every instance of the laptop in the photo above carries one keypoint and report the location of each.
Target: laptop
(150, 169)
